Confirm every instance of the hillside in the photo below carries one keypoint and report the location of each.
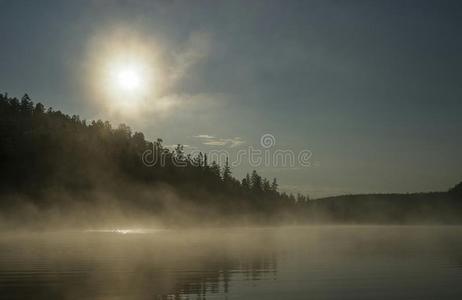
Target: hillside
(51, 159)
(56, 166)
(435, 207)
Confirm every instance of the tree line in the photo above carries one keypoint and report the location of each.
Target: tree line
(54, 159)
(46, 150)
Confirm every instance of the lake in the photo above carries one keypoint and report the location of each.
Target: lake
(305, 262)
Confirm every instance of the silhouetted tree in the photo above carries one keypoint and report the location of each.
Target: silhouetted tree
(266, 186)
(26, 106)
(227, 172)
(215, 170)
(274, 185)
(256, 182)
(39, 108)
(246, 182)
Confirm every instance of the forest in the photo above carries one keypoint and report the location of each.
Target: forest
(57, 166)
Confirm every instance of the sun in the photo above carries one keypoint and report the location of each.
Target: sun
(128, 78)
(127, 74)
(128, 82)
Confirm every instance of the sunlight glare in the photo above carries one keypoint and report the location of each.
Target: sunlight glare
(128, 79)
(126, 72)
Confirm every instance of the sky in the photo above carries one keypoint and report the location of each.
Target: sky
(371, 90)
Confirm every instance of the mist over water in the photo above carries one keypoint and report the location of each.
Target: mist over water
(236, 150)
(315, 262)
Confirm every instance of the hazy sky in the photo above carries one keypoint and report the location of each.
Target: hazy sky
(372, 88)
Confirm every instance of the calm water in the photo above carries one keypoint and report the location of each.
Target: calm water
(322, 262)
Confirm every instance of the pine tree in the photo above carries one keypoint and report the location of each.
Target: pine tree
(215, 170)
(274, 185)
(39, 108)
(256, 182)
(266, 186)
(227, 172)
(26, 105)
(246, 182)
(205, 161)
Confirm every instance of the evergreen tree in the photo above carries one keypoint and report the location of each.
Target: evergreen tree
(246, 182)
(26, 106)
(205, 161)
(256, 182)
(39, 108)
(266, 186)
(227, 172)
(274, 186)
(215, 170)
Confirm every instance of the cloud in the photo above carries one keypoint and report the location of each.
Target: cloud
(211, 140)
(215, 143)
(204, 136)
(185, 146)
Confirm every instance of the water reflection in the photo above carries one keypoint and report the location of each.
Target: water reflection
(326, 262)
(110, 264)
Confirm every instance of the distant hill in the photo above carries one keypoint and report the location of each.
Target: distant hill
(435, 207)
(457, 190)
